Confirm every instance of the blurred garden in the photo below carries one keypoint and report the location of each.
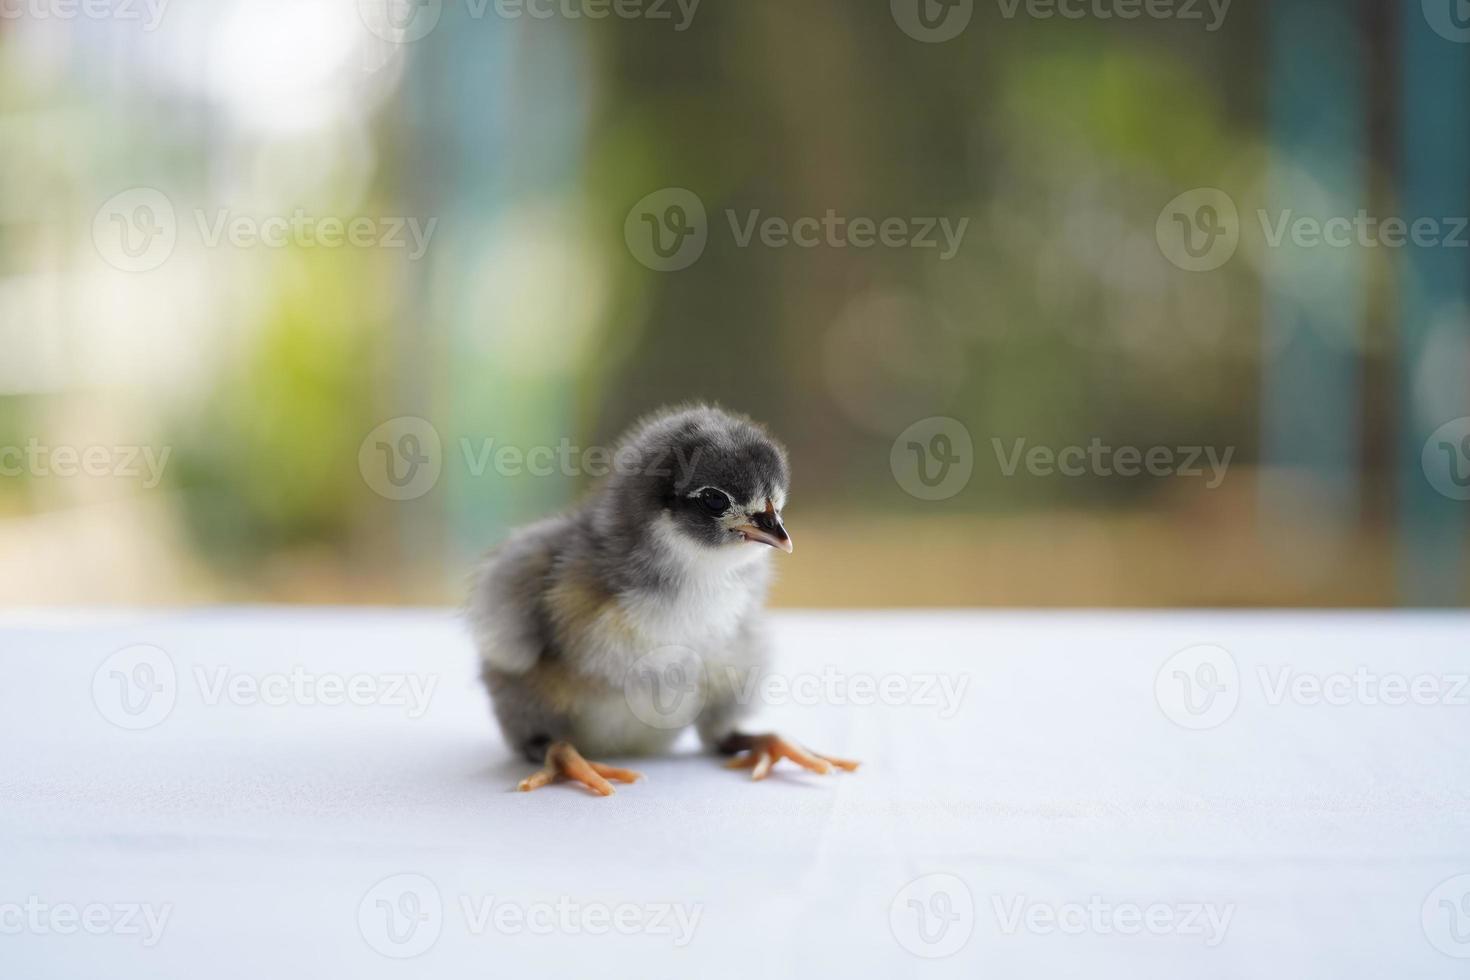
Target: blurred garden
(312, 300)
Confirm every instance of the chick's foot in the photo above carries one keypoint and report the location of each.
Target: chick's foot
(563, 761)
(761, 752)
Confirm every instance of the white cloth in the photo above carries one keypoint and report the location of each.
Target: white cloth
(1075, 828)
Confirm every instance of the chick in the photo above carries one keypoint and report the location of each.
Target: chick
(659, 575)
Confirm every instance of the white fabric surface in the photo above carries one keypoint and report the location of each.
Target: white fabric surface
(1059, 781)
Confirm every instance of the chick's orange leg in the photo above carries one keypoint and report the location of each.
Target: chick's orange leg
(564, 761)
(762, 752)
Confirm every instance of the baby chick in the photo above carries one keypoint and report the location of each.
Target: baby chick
(659, 575)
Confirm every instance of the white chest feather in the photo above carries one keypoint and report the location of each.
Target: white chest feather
(699, 615)
(714, 592)
(679, 636)
(716, 589)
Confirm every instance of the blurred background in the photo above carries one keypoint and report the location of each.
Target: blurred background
(311, 300)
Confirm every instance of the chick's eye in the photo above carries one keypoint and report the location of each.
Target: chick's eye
(714, 500)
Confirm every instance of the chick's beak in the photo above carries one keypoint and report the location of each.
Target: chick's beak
(766, 527)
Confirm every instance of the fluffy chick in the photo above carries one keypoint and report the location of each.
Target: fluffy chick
(614, 626)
